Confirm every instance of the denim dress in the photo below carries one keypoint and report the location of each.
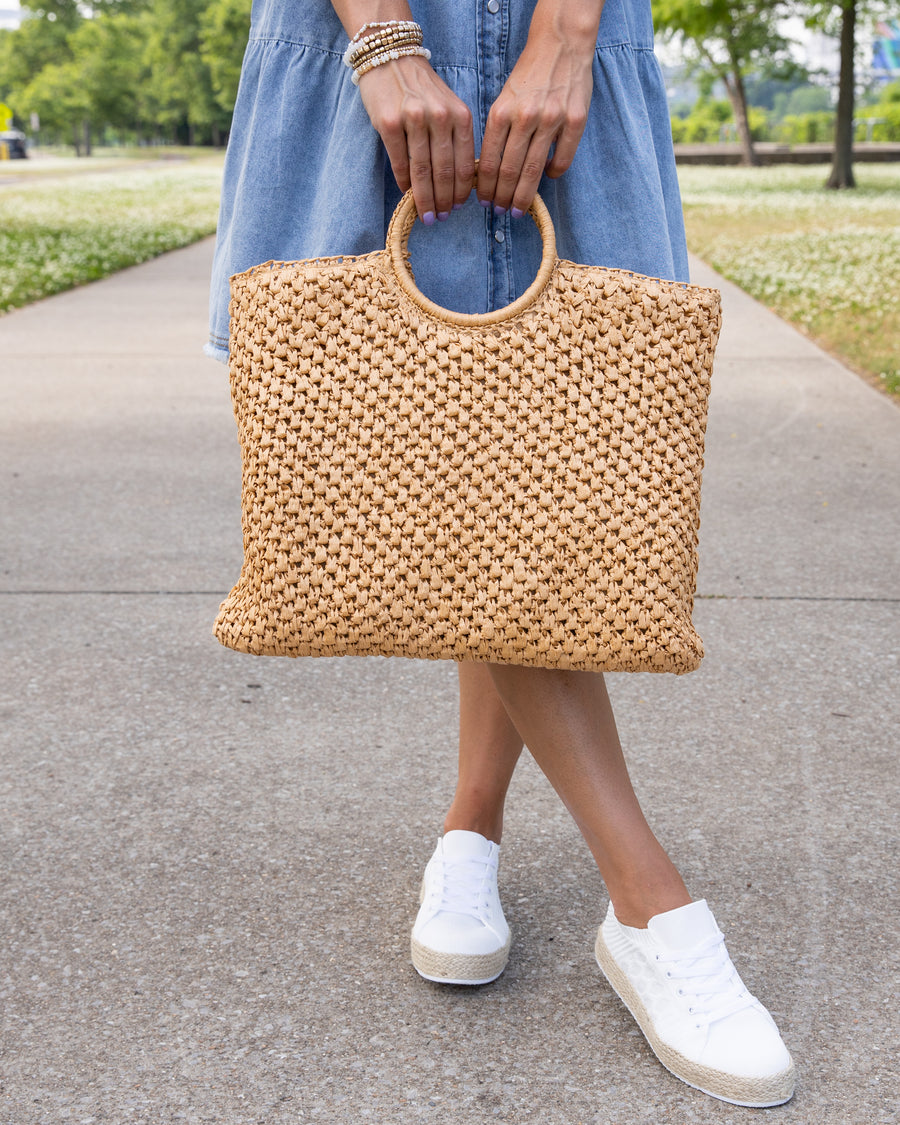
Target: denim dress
(306, 175)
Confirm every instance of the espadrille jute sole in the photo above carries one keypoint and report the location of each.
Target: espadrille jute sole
(738, 1090)
(458, 968)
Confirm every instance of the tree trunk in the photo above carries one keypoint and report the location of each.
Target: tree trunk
(86, 129)
(842, 168)
(737, 95)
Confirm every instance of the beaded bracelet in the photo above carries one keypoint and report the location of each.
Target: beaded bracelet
(391, 39)
(374, 45)
(385, 28)
(386, 57)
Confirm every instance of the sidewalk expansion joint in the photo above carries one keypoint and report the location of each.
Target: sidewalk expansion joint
(113, 593)
(792, 598)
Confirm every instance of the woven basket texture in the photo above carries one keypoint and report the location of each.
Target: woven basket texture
(524, 491)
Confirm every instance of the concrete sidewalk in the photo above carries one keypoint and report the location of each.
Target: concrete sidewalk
(211, 862)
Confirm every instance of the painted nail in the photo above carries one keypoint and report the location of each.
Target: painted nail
(484, 202)
(457, 206)
(499, 211)
(516, 213)
(443, 216)
(428, 218)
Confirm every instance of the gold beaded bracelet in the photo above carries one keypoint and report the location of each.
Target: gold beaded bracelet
(388, 29)
(374, 46)
(392, 39)
(386, 57)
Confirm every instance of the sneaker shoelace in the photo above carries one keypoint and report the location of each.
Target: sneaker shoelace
(710, 980)
(465, 887)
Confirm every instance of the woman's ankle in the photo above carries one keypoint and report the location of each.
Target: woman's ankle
(635, 909)
(484, 823)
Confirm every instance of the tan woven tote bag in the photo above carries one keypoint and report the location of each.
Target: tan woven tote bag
(517, 487)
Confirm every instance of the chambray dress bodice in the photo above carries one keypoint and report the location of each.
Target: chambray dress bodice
(306, 174)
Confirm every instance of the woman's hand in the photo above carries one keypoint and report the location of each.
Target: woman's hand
(544, 103)
(427, 131)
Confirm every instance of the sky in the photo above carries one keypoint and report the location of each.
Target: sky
(9, 13)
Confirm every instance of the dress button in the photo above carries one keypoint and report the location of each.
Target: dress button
(499, 235)
(493, 6)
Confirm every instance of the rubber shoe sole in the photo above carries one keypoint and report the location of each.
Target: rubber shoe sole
(756, 1093)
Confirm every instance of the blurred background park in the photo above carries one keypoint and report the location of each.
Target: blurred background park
(114, 116)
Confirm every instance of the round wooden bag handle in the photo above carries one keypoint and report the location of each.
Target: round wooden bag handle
(401, 225)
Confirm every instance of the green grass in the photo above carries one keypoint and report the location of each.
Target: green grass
(64, 229)
(828, 262)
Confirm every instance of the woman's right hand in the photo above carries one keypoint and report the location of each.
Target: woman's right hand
(427, 131)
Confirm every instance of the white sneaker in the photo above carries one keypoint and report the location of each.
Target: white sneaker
(460, 935)
(678, 982)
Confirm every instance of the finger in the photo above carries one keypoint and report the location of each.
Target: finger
(419, 146)
(443, 169)
(463, 159)
(532, 169)
(521, 168)
(398, 155)
(566, 146)
(490, 161)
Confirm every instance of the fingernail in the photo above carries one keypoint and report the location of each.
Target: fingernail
(516, 213)
(484, 202)
(499, 211)
(428, 218)
(457, 206)
(443, 216)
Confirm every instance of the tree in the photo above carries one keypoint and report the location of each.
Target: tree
(842, 17)
(841, 175)
(35, 44)
(57, 96)
(126, 67)
(223, 36)
(179, 88)
(729, 39)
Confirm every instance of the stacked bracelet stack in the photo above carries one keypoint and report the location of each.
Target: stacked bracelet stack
(378, 43)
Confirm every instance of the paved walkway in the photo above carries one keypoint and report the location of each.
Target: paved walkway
(211, 863)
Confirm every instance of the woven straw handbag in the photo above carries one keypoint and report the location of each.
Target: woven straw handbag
(518, 487)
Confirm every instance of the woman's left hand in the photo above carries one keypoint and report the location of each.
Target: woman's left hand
(544, 103)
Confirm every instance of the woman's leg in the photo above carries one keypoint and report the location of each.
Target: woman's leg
(460, 934)
(674, 974)
(566, 720)
(489, 747)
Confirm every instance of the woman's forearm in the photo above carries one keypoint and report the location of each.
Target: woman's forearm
(354, 13)
(574, 22)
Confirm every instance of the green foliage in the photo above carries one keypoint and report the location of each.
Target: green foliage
(705, 124)
(879, 122)
(133, 69)
(726, 35)
(25, 51)
(773, 91)
(223, 26)
(808, 99)
(804, 129)
(728, 40)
